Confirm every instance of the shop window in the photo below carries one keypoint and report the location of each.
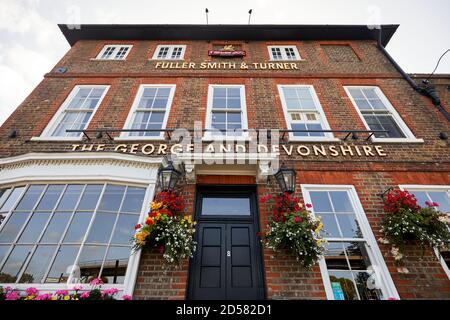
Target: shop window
(75, 113)
(283, 53)
(114, 52)
(353, 267)
(150, 111)
(303, 111)
(226, 112)
(377, 113)
(441, 196)
(169, 52)
(58, 233)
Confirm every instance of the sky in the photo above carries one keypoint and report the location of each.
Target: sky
(31, 43)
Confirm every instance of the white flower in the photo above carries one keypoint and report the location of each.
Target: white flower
(383, 240)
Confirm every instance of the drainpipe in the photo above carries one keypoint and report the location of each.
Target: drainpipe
(426, 90)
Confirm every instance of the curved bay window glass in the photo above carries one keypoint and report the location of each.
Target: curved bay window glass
(349, 259)
(51, 231)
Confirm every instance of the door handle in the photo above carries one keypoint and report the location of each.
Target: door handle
(228, 253)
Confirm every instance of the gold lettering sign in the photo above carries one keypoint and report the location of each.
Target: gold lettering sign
(225, 65)
(289, 150)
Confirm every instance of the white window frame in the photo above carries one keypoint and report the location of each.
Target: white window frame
(209, 135)
(419, 187)
(46, 135)
(283, 53)
(169, 53)
(409, 136)
(116, 50)
(85, 170)
(328, 136)
(134, 109)
(381, 271)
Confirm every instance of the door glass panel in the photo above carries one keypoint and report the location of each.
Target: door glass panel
(225, 206)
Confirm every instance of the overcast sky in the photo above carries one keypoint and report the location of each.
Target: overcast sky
(31, 43)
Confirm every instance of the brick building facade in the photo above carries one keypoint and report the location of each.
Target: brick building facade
(323, 81)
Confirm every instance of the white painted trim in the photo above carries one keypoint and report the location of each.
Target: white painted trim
(381, 270)
(420, 187)
(52, 125)
(323, 118)
(208, 136)
(41, 138)
(114, 53)
(283, 53)
(169, 53)
(133, 111)
(398, 119)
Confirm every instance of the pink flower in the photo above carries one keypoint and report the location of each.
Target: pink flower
(84, 295)
(12, 296)
(126, 297)
(96, 282)
(427, 203)
(78, 287)
(7, 289)
(32, 291)
(392, 298)
(111, 291)
(435, 204)
(45, 296)
(61, 292)
(308, 205)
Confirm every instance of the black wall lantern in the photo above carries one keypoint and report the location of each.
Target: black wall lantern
(168, 177)
(286, 179)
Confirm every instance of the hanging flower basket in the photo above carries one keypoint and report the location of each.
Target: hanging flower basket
(293, 227)
(167, 228)
(405, 222)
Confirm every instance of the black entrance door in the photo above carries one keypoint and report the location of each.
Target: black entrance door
(227, 263)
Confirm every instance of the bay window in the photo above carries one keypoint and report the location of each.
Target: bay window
(67, 233)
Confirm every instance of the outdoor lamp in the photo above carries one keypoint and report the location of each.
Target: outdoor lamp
(286, 179)
(168, 177)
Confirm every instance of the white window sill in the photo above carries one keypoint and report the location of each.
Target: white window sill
(291, 60)
(166, 59)
(210, 138)
(396, 140)
(57, 138)
(95, 59)
(313, 139)
(139, 138)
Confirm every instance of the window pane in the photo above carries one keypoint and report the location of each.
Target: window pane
(124, 229)
(335, 257)
(133, 200)
(14, 264)
(421, 197)
(219, 117)
(389, 124)
(363, 104)
(225, 206)
(4, 194)
(34, 227)
(30, 198)
(12, 199)
(234, 103)
(112, 198)
(62, 265)
(38, 265)
(90, 262)
(90, 197)
(56, 227)
(13, 227)
(70, 197)
(342, 285)
(115, 265)
(101, 228)
(341, 201)
(3, 251)
(315, 126)
(234, 117)
(349, 226)
(78, 227)
(330, 226)
(299, 126)
(50, 197)
(357, 255)
(320, 201)
(441, 198)
(365, 293)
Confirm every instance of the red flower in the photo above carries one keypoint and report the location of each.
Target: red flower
(298, 219)
(428, 203)
(308, 205)
(138, 226)
(435, 204)
(162, 248)
(259, 234)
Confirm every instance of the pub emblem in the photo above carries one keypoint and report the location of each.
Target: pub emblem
(228, 51)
